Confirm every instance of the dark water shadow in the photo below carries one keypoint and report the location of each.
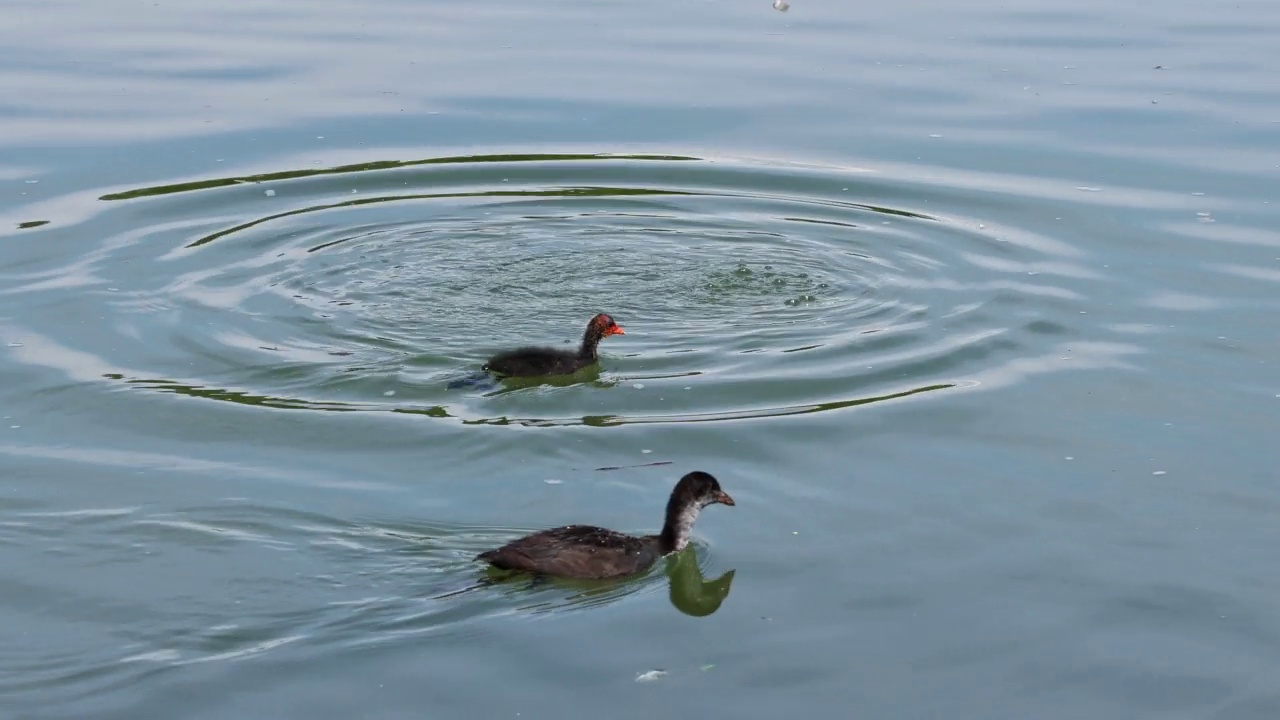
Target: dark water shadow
(442, 411)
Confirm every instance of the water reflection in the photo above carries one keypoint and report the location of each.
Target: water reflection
(687, 589)
(689, 592)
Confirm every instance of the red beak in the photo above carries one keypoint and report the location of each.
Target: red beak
(615, 330)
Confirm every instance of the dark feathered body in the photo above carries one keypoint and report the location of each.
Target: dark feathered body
(538, 361)
(589, 552)
(534, 361)
(579, 551)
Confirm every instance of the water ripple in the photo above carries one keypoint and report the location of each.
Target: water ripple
(748, 290)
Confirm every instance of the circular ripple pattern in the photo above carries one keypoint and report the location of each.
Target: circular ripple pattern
(746, 290)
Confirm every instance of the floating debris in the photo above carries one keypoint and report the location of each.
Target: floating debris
(650, 676)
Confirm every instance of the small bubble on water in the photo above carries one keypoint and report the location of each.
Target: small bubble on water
(935, 135)
(1198, 194)
(319, 137)
(553, 481)
(686, 387)
(1158, 472)
(14, 427)
(781, 5)
(638, 386)
(389, 393)
(646, 452)
(32, 182)
(270, 193)
(1085, 188)
(1069, 458)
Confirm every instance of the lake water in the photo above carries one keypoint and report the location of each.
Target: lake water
(973, 309)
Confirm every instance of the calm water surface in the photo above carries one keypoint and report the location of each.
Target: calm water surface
(972, 308)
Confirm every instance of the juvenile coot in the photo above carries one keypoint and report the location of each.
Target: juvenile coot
(584, 551)
(535, 361)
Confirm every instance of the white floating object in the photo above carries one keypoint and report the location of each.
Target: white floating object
(638, 386)
(1158, 472)
(781, 5)
(646, 452)
(553, 481)
(650, 676)
(270, 193)
(389, 393)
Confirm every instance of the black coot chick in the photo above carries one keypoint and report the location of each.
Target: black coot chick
(535, 361)
(583, 551)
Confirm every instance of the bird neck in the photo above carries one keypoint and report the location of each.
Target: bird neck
(678, 526)
(590, 340)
